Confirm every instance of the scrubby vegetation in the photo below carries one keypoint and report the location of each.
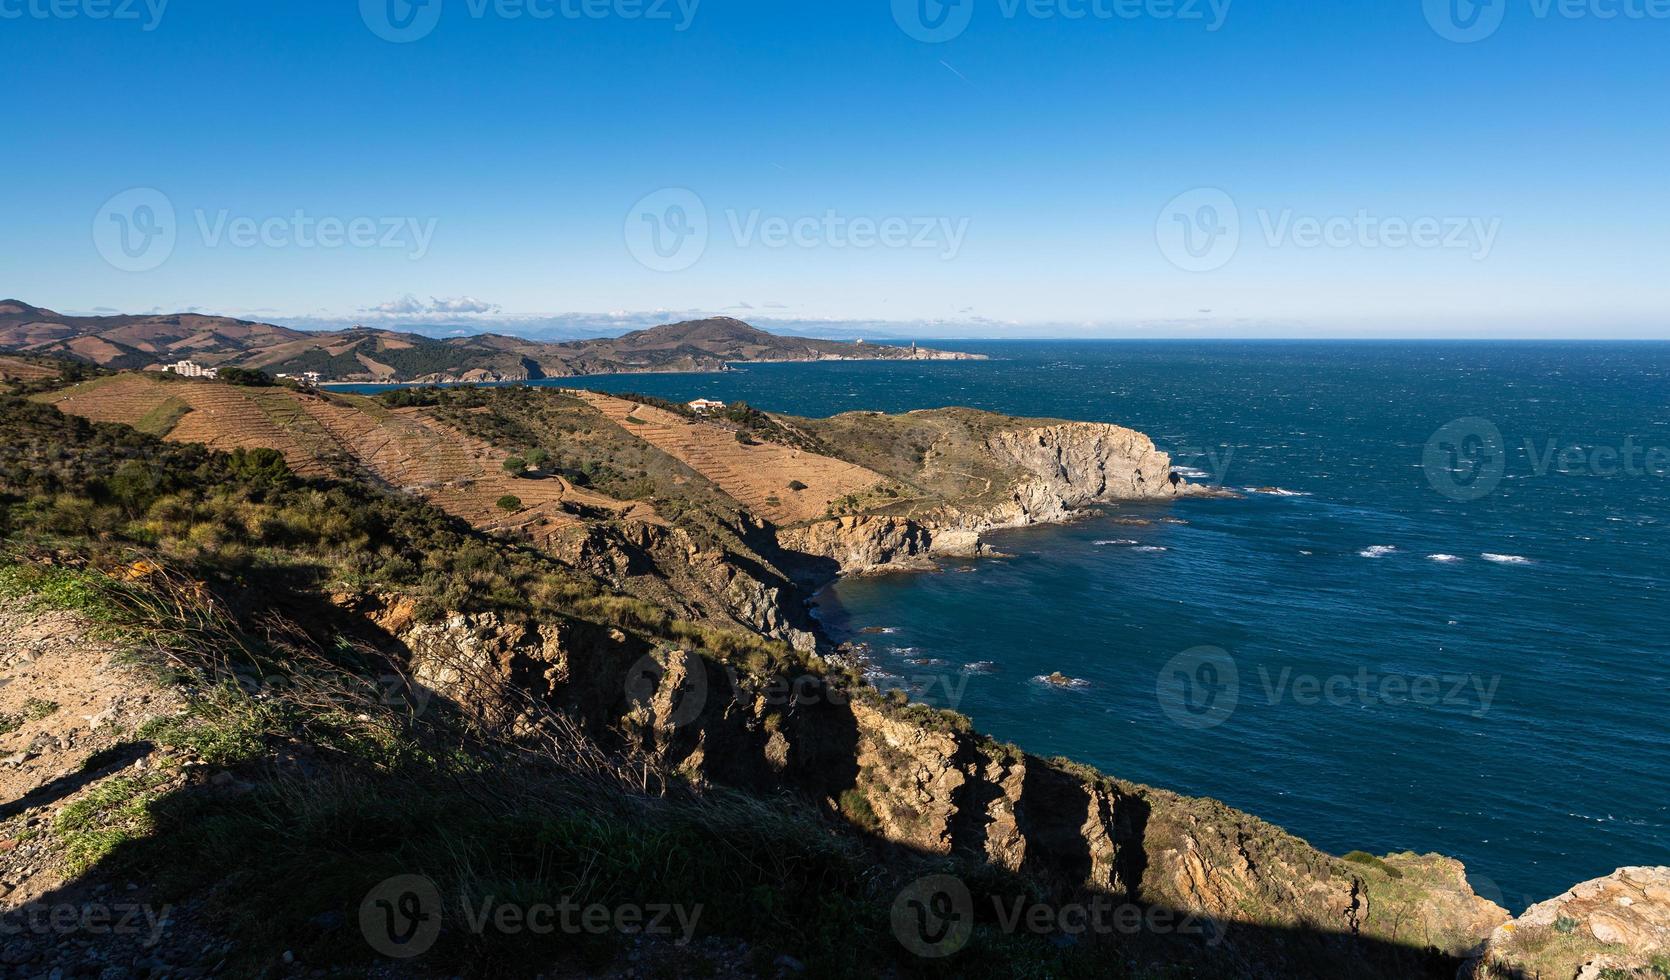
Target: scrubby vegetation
(333, 786)
(309, 766)
(246, 521)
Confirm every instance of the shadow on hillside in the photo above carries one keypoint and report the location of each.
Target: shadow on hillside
(98, 766)
(287, 859)
(306, 894)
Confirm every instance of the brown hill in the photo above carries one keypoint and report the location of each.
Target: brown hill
(359, 354)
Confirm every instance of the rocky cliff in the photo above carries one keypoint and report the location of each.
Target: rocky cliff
(1074, 464)
(920, 779)
(1052, 471)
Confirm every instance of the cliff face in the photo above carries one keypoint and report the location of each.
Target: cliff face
(913, 778)
(1078, 463)
(702, 580)
(1053, 471)
(869, 543)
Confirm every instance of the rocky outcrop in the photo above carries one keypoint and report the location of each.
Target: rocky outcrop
(1612, 927)
(1057, 469)
(921, 779)
(701, 579)
(864, 544)
(1073, 464)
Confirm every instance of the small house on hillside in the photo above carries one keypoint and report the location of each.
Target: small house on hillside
(703, 406)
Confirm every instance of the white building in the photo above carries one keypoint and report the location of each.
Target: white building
(706, 405)
(191, 369)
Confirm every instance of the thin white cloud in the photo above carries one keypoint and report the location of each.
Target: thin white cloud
(409, 305)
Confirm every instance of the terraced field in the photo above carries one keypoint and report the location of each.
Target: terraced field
(757, 476)
(317, 433)
(219, 416)
(13, 369)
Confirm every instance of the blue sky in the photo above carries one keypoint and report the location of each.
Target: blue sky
(1152, 167)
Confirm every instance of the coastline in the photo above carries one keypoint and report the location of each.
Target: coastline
(728, 367)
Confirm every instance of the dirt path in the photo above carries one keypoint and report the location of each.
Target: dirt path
(65, 698)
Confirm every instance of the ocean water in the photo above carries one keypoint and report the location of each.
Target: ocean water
(1440, 623)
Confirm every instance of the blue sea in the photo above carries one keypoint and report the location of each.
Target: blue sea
(1437, 617)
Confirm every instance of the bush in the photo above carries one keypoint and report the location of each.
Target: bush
(245, 377)
(1365, 858)
(515, 466)
(510, 503)
(796, 486)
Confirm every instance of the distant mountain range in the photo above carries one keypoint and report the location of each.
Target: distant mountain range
(139, 342)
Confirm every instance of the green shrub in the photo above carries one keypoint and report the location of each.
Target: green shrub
(855, 806)
(245, 377)
(1365, 858)
(510, 503)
